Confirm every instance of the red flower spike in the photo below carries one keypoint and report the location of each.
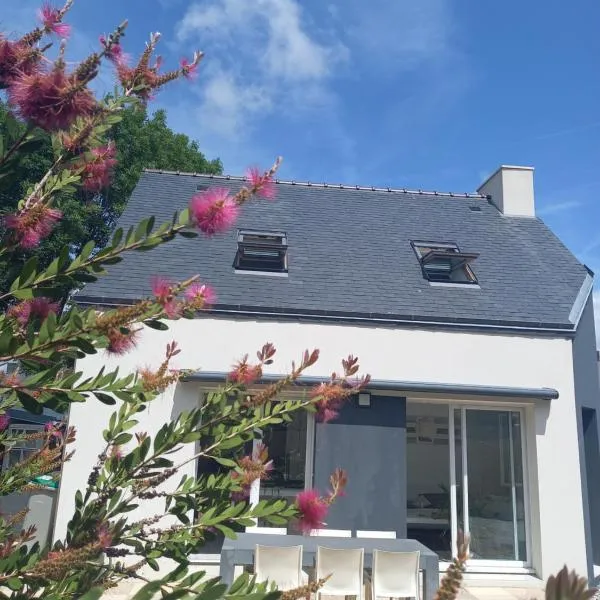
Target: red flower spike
(200, 294)
(244, 373)
(16, 58)
(38, 308)
(313, 510)
(31, 226)
(51, 19)
(52, 99)
(213, 211)
(261, 184)
(4, 422)
(97, 172)
(120, 343)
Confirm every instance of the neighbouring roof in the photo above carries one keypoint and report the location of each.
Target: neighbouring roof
(350, 256)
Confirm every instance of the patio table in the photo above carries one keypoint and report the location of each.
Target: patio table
(241, 552)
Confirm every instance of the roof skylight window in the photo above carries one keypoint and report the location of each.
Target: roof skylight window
(261, 251)
(445, 263)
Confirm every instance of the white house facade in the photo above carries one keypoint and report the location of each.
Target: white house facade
(474, 322)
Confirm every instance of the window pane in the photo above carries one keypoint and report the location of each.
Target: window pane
(287, 449)
(428, 476)
(496, 503)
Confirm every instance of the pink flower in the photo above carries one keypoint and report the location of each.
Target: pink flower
(245, 373)
(104, 536)
(31, 226)
(4, 422)
(114, 52)
(213, 211)
(51, 17)
(189, 69)
(120, 343)
(53, 429)
(97, 172)
(38, 308)
(261, 183)
(52, 99)
(200, 294)
(16, 58)
(313, 510)
(163, 291)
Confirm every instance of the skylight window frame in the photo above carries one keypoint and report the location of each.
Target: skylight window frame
(439, 250)
(259, 242)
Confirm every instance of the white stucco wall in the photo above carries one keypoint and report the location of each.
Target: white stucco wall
(407, 355)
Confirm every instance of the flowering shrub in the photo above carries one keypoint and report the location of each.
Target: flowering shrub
(102, 546)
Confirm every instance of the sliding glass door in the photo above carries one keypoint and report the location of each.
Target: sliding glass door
(486, 497)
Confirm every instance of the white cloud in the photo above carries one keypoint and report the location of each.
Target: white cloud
(268, 60)
(227, 104)
(271, 30)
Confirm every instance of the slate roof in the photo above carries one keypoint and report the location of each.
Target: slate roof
(350, 256)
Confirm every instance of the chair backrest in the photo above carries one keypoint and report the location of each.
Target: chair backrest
(381, 535)
(267, 530)
(346, 569)
(395, 574)
(331, 532)
(279, 565)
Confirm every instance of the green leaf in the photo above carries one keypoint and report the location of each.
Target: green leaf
(29, 403)
(93, 594)
(105, 398)
(14, 583)
(155, 324)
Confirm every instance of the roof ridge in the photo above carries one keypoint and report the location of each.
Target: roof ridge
(472, 195)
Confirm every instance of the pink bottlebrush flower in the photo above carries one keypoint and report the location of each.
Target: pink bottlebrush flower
(104, 536)
(97, 172)
(116, 452)
(16, 58)
(27, 310)
(114, 52)
(51, 19)
(245, 373)
(52, 99)
(189, 69)
(30, 226)
(120, 343)
(262, 184)
(163, 291)
(200, 294)
(4, 422)
(52, 428)
(313, 510)
(213, 211)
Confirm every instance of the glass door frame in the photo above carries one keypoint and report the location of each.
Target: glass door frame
(463, 407)
(308, 465)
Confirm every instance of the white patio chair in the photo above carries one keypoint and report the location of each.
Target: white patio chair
(380, 535)
(395, 575)
(280, 565)
(331, 533)
(346, 569)
(267, 530)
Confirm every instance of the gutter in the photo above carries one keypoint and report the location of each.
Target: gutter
(553, 329)
(454, 389)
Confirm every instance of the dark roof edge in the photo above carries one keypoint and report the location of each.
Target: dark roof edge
(564, 330)
(403, 386)
(339, 186)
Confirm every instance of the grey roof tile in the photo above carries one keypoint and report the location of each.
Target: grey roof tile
(350, 252)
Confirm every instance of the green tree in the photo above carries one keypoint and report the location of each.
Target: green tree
(142, 141)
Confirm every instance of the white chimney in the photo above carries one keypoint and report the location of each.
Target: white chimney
(511, 190)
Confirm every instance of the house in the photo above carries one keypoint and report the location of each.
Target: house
(473, 319)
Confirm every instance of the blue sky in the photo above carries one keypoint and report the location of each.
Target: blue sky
(431, 94)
